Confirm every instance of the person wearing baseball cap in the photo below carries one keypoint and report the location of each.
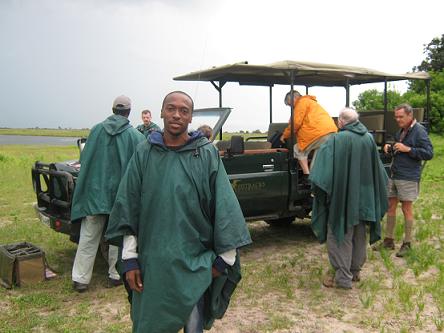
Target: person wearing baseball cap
(109, 147)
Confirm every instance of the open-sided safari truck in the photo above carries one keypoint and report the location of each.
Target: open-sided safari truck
(267, 181)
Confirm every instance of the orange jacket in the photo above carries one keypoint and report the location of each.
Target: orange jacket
(311, 121)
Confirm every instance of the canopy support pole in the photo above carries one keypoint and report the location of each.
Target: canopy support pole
(271, 104)
(428, 105)
(347, 92)
(219, 89)
(292, 136)
(385, 110)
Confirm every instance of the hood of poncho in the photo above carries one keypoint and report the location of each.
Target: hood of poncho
(115, 124)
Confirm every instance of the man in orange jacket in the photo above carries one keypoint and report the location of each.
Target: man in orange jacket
(312, 126)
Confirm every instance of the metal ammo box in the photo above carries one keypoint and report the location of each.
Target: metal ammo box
(21, 264)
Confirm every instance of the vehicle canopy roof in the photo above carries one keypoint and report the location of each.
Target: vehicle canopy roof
(304, 73)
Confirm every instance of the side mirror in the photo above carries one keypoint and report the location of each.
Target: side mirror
(81, 144)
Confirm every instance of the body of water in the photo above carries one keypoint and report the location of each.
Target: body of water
(37, 140)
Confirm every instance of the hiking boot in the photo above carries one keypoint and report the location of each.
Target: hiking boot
(329, 282)
(79, 287)
(387, 243)
(356, 276)
(405, 248)
(113, 283)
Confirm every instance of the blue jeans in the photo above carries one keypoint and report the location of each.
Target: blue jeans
(195, 322)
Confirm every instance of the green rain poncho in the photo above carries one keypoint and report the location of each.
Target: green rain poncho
(349, 184)
(104, 159)
(182, 209)
(146, 130)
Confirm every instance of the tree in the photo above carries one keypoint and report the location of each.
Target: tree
(374, 100)
(416, 93)
(434, 61)
(434, 64)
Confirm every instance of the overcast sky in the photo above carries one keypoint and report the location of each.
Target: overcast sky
(62, 62)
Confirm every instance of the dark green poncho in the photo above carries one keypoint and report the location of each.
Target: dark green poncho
(180, 205)
(349, 184)
(104, 159)
(146, 130)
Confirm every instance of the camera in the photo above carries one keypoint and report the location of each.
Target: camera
(391, 149)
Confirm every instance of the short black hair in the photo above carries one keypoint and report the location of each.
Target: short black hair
(178, 92)
(122, 112)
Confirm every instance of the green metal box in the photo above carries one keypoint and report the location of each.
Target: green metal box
(21, 264)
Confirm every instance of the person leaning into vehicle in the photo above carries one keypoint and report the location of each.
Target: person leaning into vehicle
(107, 151)
(412, 146)
(312, 126)
(206, 130)
(349, 186)
(148, 126)
(181, 224)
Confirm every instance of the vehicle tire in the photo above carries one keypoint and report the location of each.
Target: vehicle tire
(283, 222)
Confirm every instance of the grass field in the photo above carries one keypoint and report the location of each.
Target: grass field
(281, 290)
(77, 133)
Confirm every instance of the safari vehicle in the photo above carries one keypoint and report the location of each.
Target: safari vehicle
(266, 180)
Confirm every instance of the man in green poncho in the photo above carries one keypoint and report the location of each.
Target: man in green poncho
(349, 186)
(148, 126)
(107, 152)
(180, 225)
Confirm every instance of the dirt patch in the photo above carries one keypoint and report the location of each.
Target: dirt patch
(4, 223)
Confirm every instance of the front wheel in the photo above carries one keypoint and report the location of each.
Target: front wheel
(282, 222)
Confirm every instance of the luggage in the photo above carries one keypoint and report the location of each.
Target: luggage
(21, 264)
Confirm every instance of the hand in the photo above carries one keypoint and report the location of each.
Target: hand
(215, 273)
(400, 147)
(134, 279)
(386, 148)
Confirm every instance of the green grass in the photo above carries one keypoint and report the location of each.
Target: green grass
(78, 133)
(281, 289)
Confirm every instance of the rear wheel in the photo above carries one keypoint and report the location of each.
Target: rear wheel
(282, 222)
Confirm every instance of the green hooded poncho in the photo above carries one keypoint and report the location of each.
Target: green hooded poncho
(182, 209)
(349, 184)
(104, 159)
(146, 130)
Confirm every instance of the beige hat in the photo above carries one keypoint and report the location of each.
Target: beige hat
(122, 103)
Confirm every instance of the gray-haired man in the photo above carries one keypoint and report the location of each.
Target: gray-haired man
(412, 146)
(349, 186)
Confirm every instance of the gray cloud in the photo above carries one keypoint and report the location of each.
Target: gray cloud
(63, 61)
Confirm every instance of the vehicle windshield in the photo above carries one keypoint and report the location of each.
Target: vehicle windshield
(213, 117)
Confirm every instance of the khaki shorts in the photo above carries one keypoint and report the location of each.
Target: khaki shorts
(303, 154)
(404, 190)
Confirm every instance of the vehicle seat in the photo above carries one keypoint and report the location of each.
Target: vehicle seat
(418, 113)
(223, 145)
(275, 127)
(374, 124)
(237, 144)
(253, 145)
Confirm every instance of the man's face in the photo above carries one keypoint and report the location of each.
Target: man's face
(146, 118)
(403, 118)
(177, 114)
